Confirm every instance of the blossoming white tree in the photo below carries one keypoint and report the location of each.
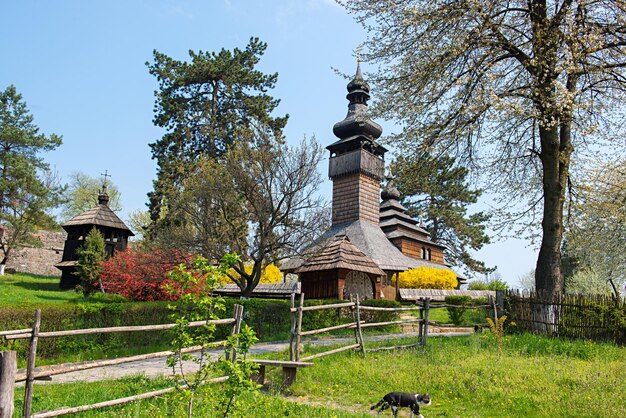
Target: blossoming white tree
(513, 87)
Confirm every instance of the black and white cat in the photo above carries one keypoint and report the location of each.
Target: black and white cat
(396, 400)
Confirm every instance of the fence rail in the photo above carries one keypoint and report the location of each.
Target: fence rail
(423, 306)
(9, 375)
(21, 334)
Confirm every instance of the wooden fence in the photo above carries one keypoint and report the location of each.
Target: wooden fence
(9, 374)
(593, 317)
(422, 306)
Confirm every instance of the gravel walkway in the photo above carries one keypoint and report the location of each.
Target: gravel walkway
(157, 367)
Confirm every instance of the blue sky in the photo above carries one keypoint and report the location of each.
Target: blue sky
(80, 66)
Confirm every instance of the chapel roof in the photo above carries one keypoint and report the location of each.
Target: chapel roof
(100, 215)
(340, 253)
(370, 240)
(395, 221)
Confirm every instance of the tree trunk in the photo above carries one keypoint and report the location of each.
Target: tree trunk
(252, 280)
(548, 276)
(556, 150)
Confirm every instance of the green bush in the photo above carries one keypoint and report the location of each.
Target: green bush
(88, 315)
(268, 317)
(106, 298)
(461, 303)
(493, 284)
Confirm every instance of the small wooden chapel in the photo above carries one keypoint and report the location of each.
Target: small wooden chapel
(101, 217)
(369, 240)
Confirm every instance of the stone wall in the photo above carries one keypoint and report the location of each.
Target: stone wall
(40, 260)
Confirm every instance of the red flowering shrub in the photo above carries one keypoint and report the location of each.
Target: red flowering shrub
(139, 275)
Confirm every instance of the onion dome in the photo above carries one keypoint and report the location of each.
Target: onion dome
(390, 192)
(103, 196)
(357, 124)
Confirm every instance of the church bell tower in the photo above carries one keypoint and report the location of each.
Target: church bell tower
(356, 165)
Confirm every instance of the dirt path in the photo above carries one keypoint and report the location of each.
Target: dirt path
(157, 367)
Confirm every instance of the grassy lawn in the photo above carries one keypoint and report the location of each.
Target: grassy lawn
(465, 376)
(51, 396)
(27, 289)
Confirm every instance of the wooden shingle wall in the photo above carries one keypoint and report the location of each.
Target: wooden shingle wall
(356, 197)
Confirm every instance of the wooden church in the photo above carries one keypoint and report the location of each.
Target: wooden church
(101, 217)
(369, 241)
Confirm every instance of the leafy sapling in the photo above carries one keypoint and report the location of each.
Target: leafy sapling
(193, 288)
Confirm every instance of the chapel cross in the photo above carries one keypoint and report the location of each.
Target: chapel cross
(105, 175)
(359, 50)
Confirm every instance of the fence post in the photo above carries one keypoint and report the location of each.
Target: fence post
(357, 332)
(494, 308)
(421, 322)
(500, 299)
(8, 369)
(30, 367)
(299, 328)
(238, 316)
(292, 330)
(426, 309)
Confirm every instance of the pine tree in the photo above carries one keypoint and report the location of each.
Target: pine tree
(437, 191)
(27, 189)
(206, 105)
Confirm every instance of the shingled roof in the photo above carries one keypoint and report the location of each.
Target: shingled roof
(262, 289)
(101, 215)
(371, 241)
(340, 254)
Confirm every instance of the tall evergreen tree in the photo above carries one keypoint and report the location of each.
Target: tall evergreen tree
(206, 105)
(437, 191)
(27, 189)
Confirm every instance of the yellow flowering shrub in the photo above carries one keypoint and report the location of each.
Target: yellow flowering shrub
(428, 278)
(271, 274)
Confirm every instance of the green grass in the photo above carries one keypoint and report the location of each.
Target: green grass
(465, 376)
(55, 396)
(28, 289)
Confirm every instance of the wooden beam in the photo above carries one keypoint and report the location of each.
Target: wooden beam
(395, 347)
(117, 329)
(380, 324)
(320, 307)
(32, 354)
(299, 326)
(16, 331)
(375, 308)
(320, 330)
(327, 353)
(292, 330)
(281, 363)
(8, 369)
(86, 365)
